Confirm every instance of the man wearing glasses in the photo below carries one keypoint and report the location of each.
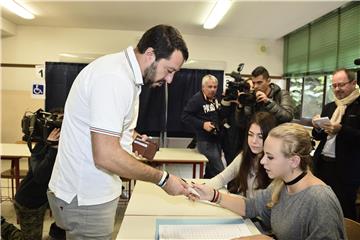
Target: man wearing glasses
(336, 159)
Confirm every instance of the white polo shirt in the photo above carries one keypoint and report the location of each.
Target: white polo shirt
(104, 98)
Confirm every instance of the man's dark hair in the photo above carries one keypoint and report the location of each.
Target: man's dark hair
(350, 74)
(260, 71)
(164, 40)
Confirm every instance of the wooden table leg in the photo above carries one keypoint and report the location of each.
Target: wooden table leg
(201, 170)
(194, 170)
(16, 168)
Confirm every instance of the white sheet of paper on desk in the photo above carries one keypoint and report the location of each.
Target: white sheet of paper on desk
(203, 231)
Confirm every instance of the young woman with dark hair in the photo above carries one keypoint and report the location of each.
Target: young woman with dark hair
(245, 172)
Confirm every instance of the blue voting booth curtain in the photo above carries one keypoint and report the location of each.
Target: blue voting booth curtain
(152, 110)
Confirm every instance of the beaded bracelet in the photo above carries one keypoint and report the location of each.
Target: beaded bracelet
(217, 197)
(212, 200)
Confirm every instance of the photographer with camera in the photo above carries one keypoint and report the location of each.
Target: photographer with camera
(202, 114)
(268, 97)
(31, 200)
(234, 134)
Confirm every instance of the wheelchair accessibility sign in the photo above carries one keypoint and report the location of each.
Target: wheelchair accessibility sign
(38, 90)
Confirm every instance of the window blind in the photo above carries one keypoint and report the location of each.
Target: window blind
(323, 44)
(349, 36)
(297, 51)
(331, 42)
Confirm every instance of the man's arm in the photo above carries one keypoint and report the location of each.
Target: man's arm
(283, 110)
(189, 115)
(42, 168)
(318, 133)
(109, 155)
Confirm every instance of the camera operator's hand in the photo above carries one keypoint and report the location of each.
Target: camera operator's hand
(54, 136)
(261, 97)
(208, 126)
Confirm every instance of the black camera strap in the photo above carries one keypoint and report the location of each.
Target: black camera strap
(31, 131)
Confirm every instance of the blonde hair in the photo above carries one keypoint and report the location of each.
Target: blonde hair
(296, 141)
(208, 77)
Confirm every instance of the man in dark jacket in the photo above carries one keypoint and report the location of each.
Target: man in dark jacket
(31, 200)
(202, 114)
(269, 98)
(337, 155)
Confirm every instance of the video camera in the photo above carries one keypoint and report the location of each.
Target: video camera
(239, 89)
(36, 126)
(216, 130)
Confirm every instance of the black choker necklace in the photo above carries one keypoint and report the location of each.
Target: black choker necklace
(298, 178)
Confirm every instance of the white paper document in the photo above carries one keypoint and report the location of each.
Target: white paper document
(203, 231)
(321, 121)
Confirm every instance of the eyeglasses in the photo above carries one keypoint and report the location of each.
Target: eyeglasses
(339, 85)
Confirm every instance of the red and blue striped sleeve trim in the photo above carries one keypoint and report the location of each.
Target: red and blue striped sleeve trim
(104, 131)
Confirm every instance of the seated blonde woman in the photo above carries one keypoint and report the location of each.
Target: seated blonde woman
(297, 205)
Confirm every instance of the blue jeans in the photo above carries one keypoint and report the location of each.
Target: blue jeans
(84, 222)
(212, 151)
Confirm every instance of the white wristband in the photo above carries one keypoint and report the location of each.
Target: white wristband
(161, 182)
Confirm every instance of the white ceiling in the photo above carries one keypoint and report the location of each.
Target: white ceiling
(245, 19)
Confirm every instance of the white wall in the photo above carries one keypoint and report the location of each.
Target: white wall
(35, 45)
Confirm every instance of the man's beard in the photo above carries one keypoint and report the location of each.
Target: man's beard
(149, 75)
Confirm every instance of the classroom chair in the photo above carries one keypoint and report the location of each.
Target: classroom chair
(352, 229)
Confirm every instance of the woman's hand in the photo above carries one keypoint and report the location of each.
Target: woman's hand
(205, 192)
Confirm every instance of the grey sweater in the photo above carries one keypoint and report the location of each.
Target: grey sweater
(313, 213)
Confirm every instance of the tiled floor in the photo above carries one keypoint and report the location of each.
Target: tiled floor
(7, 209)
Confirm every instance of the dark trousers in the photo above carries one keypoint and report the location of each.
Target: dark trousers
(10, 232)
(212, 151)
(31, 220)
(345, 192)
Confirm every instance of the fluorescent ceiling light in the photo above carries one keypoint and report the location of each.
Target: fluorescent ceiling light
(217, 13)
(17, 9)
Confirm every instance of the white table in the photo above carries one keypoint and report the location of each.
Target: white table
(150, 200)
(180, 156)
(14, 152)
(144, 227)
(149, 203)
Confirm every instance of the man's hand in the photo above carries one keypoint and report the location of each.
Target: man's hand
(176, 186)
(54, 135)
(332, 129)
(261, 97)
(317, 116)
(208, 126)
